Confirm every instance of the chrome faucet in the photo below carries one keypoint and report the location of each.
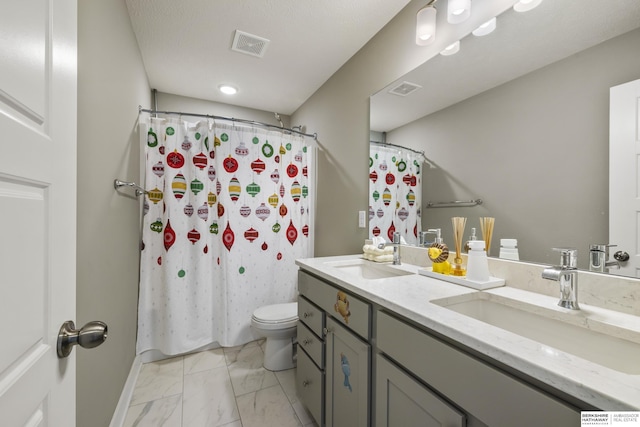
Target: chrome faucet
(567, 275)
(425, 242)
(396, 247)
(598, 258)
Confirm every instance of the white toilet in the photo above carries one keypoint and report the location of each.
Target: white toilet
(277, 323)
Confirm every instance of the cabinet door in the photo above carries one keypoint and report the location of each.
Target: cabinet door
(347, 378)
(402, 401)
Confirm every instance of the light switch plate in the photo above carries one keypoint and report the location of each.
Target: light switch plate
(362, 219)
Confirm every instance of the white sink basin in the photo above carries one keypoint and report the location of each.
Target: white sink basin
(575, 333)
(369, 270)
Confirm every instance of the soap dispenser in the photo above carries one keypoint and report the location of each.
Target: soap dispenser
(472, 237)
(438, 253)
(477, 264)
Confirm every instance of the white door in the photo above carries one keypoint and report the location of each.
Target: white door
(624, 175)
(38, 73)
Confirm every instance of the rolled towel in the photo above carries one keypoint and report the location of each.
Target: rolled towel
(383, 258)
(377, 241)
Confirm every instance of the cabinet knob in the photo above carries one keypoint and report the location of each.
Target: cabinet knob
(305, 314)
(305, 383)
(326, 331)
(306, 341)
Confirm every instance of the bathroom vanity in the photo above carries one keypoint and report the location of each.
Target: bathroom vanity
(381, 345)
(334, 333)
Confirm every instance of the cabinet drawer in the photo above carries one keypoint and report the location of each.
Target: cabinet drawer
(496, 398)
(310, 386)
(311, 316)
(347, 309)
(312, 345)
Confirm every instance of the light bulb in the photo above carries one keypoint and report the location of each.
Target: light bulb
(458, 11)
(426, 26)
(526, 5)
(228, 89)
(486, 28)
(451, 49)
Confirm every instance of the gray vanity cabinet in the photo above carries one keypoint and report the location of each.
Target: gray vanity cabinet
(402, 401)
(334, 364)
(486, 394)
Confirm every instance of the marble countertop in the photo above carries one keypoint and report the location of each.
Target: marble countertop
(410, 296)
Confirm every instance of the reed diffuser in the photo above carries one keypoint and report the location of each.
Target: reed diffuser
(486, 226)
(458, 223)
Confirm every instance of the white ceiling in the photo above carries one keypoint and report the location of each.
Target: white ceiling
(186, 49)
(186, 45)
(522, 42)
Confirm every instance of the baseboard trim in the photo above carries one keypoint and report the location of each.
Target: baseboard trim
(127, 392)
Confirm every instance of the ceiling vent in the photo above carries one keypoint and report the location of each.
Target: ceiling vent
(404, 89)
(249, 44)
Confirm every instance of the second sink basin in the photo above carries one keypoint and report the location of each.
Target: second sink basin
(369, 270)
(571, 333)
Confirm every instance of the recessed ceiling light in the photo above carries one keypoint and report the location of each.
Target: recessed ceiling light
(486, 28)
(526, 5)
(228, 89)
(451, 49)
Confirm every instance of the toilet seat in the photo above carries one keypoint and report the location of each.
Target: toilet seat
(276, 316)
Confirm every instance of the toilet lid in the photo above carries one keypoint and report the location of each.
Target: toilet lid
(277, 313)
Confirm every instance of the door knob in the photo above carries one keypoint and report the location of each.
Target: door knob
(89, 336)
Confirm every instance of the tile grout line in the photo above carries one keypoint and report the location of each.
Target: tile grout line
(233, 390)
(182, 399)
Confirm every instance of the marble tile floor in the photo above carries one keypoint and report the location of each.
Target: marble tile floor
(222, 387)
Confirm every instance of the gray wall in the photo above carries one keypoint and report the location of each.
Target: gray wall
(339, 113)
(111, 84)
(535, 150)
(170, 102)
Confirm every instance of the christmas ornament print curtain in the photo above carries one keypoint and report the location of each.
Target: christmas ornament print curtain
(395, 192)
(228, 212)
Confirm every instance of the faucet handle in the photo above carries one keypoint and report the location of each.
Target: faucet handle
(601, 247)
(568, 257)
(396, 238)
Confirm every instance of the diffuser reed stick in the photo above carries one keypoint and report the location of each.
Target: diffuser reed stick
(458, 224)
(486, 226)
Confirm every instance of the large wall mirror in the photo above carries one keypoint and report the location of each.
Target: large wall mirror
(520, 119)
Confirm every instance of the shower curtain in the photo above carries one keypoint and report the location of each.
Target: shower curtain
(395, 192)
(228, 211)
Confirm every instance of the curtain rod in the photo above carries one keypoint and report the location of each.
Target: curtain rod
(231, 119)
(387, 144)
